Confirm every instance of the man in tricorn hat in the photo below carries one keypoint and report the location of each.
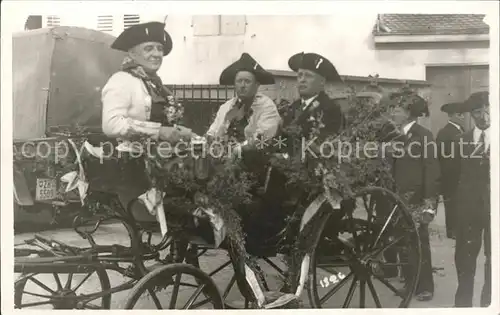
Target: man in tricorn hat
(445, 137)
(135, 102)
(249, 114)
(313, 72)
(473, 202)
(245, 118)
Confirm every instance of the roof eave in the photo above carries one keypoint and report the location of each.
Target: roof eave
(385, 38)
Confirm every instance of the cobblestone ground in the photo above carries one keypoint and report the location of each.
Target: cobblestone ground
(442, 255)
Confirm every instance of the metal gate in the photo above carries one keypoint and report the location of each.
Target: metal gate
(201, 103)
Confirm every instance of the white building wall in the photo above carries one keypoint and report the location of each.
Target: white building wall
(346, 40)
(204, 46)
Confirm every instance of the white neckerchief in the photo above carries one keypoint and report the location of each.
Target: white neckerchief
(477, 135)
(408, 126)
(308, 102)
(456, 125)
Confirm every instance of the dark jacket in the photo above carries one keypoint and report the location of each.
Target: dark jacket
(473, 187)
(330, 111)
(417, 173)
(448, 165)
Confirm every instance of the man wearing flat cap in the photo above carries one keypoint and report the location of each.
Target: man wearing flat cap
(473, 203)
(445, 139)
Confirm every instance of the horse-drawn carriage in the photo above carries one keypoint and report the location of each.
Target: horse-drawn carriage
(365, 240)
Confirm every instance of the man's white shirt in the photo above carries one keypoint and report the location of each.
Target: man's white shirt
(477, 134)
(407, 127)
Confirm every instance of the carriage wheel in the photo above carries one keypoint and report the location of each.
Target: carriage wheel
(271, 275)
(370, 253)
(175, 286)
(62, 291)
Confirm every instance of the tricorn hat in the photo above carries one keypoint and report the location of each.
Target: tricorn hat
(316, 63)
(141, 33)
(245, 63)
(477, 100)
(452, 108)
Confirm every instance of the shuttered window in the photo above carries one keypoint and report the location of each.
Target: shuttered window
(216, 25)
(130, 19)
(53, 21)
(105, 23)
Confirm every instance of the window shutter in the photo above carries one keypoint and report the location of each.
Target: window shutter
(53, 21)
(105, 23)
(130, 19)
(206, 25)
(233, 24)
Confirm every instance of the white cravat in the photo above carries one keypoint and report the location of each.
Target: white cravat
(306, 103)
(456, 125)
(407, 127)
(477, 134)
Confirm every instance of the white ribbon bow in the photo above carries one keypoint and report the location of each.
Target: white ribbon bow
(77, 179)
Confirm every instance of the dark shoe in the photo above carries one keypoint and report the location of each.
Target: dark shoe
(425, 296)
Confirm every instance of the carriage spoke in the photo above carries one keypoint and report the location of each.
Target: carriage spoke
(336, 288)
(43, 286)
(155, 299)
(175, 292)
(272, 264)
(83, 280)
(38, 295)
(385, 226)
(220, 268)
(193, 298)
(388, 285)
(369, 209)
(386, 247)
(68, 282)
(362, 293)
(201, 303)
(374, 293)
(350, 294)
(58, 281)
(229, 286)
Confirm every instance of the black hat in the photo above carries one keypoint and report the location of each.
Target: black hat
(452, 108)
(412, 102)
(477, 100)
(141, 33)
(316, 63)
(245, 63)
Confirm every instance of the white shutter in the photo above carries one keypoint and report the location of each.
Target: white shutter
(232, 24)
(105, 23)
(130, 19)
(206, 25)
(53, 20)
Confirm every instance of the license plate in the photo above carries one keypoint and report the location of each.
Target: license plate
(46, 189)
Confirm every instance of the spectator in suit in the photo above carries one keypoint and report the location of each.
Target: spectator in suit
(415, 172)
(448, 167)
(473, 203)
